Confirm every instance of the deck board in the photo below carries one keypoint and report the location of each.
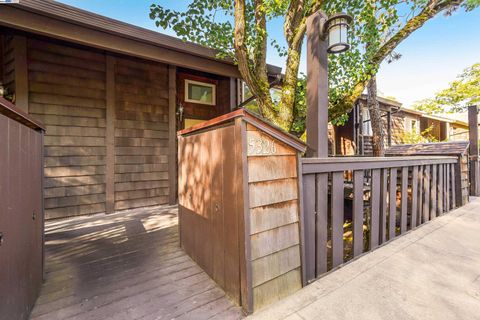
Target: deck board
(125, 266)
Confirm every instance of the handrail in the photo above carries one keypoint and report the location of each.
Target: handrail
(322, 165)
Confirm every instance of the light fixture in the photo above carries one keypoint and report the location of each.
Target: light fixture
(337, 28)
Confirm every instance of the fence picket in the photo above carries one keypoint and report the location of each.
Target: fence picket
(392, 201)
(358, 212)
(453, 178)
(337, 218)
(421, 200)
(404, 199)
(440, 190)
(426, 194)
(375, 209)
(309, 224)
(433, 193)
(383, 206)
(448, 187)
(322, 223)
(413, 210)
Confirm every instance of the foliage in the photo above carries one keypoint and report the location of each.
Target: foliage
(300, 106)
(239, 30)
(410, 137)
(463, 92)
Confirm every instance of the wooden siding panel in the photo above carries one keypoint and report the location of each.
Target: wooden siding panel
(141, 134)
(273, 216)
(274, 240)
(271, 168)
(277, 288)
(67, 92)
(271, 192)
(269, 267)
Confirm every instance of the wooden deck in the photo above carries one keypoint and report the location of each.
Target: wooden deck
(125, 266)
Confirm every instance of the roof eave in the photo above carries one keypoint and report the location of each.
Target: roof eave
(97, 23)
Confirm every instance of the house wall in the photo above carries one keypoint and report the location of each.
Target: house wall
(344, 138)
(434, 125)
(201, 111)
(67, 93)
(398, 127)
(141, 134)
(8, 63)
(110, 120)
(458, 133)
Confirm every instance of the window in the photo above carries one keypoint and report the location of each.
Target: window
(252, 105)
(200, 92)
(367, 124)
(413, 126)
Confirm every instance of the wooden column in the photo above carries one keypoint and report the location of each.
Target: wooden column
(317, 88)
(389, 130)
(447, 131)
(110, 136)
(172, 134)
(473, 137)
(233, 94)
(21, 72)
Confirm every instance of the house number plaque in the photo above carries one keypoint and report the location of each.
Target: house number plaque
(261, 145)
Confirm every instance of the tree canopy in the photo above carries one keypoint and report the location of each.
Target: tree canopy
(461, 93)
(240, 31)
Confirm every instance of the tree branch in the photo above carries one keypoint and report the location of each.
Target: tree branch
(433, 7)
(258, 86)
(260, 51)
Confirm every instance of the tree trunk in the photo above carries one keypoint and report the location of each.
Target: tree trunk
(376, 119)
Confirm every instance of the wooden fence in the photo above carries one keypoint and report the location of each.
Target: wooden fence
(353, 205)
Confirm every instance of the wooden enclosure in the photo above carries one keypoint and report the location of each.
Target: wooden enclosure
(239, 206)
(21, 211)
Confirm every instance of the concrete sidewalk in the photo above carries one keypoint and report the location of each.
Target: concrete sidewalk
(430, 273)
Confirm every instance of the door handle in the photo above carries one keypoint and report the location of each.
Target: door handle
(2, 238)
(180, 112)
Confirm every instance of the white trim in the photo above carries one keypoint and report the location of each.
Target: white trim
(203, 84)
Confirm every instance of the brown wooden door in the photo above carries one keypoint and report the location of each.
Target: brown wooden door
(21, 218)
(190, 112)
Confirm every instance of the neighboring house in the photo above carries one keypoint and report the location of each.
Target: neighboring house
(112, 97)
(400, 124)
(460, 127)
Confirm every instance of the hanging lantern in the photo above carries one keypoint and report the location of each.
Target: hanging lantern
(337, 28)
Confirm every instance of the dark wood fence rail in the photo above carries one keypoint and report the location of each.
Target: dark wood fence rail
(352, 205)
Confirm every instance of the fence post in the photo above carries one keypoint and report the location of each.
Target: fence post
(473, 137)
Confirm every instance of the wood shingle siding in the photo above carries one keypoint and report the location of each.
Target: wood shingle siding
(67, 92)
(274, 220)
(141, 134)
(8, 63)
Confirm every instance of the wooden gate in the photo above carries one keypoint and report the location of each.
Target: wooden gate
(21, 212)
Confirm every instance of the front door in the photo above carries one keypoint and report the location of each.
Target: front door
(197, 99)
